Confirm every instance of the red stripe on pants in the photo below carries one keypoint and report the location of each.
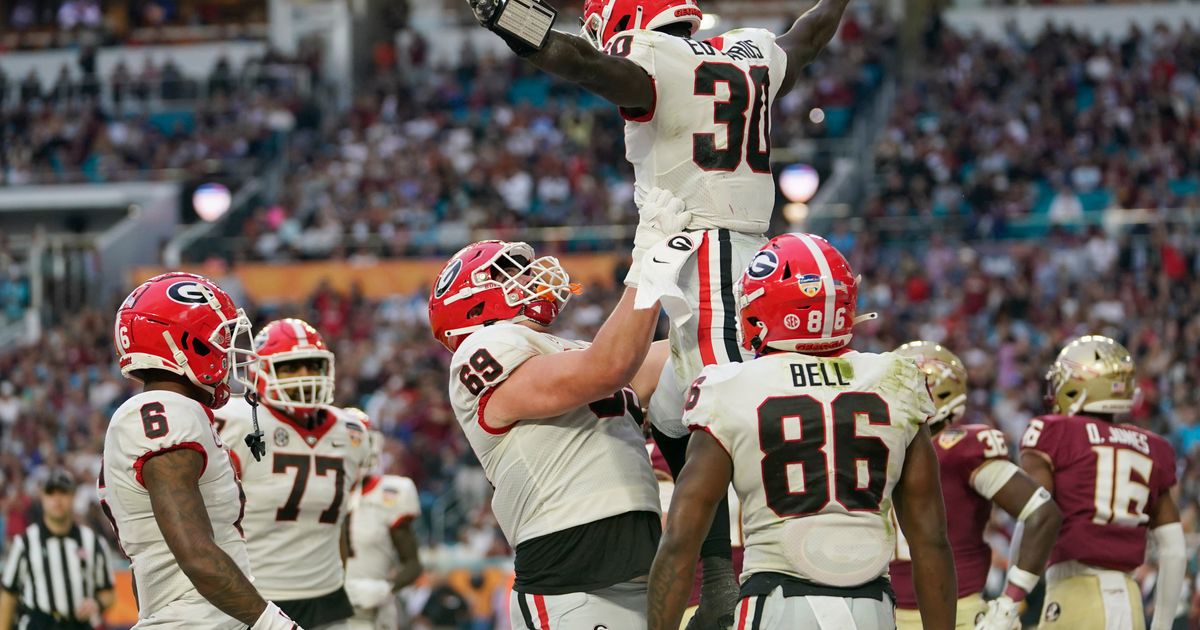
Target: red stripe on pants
(543, 617)
(742, 618)
(704, 328)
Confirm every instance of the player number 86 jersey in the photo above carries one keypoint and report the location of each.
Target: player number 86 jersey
(817, 445)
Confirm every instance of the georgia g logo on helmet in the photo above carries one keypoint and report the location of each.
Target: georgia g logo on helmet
(449, 275)
(189, 292)
(764, 264)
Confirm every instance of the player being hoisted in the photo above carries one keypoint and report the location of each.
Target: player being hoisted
(698, 123)
(296, 497)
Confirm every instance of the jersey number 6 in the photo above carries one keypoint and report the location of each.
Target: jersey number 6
(797, 451)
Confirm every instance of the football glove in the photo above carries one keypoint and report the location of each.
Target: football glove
(1002, 614)
(718, 595)
(660, 215)
(272, 618)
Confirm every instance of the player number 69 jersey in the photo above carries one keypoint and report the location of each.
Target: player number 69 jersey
(708, 136)
(149, 424)
(817, 445)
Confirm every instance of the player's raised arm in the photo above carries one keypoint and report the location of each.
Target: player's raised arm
(172, 480)
(922, 517)
(572, 58)
(700, 487)
(808, 37)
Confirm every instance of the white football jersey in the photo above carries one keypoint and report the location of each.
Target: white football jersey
(817, 445)
(554, 474)
(708, 137)
(380, 503)
(296, 497)
(149, 424)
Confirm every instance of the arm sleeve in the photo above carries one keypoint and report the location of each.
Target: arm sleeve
(16, 554)
(162, 426)
(485, 360)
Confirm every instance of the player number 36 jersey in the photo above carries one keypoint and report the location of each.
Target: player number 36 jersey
(150, 424)
(817, 445)
(708, 136)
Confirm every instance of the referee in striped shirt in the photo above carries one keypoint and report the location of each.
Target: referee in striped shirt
(57, 574)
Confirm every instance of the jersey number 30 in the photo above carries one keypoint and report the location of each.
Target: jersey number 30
(756, 138)
(798, 453)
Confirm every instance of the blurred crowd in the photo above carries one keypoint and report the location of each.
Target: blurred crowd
(1044, 132)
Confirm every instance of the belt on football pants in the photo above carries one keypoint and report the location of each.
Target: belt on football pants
(766, 583)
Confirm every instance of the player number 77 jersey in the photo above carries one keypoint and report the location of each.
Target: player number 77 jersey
(817, 445)
(707, 137)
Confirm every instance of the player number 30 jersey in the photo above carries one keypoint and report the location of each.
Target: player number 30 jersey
(817, 445)
(708, 136)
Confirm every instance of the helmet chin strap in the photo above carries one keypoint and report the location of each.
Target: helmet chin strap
(258, 446)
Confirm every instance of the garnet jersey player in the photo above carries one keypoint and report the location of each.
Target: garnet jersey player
(698, 123)
(296, 496)
(819, 441)
(1113, 483)
(382, 547)
(976, 472)
(557, 427)
(166, 481)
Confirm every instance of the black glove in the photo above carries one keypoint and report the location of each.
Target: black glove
(718, 596)
(485, 13)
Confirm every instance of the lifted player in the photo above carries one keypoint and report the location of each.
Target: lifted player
(296, 497)
(557, 427)
(382, 546)
(166, 481)
(975, 473)
(1113, 482)
(818, 440)
(698, 123)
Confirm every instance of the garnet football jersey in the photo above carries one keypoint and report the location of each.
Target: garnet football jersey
(707, 138)
(1107, 479)
(149, 424)
(296, 497)
(817, 445)
(553, 474)
(381, 503)
(962, 452)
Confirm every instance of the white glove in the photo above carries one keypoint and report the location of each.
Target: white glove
(660, 215)
(1002, 614)
(272, 618)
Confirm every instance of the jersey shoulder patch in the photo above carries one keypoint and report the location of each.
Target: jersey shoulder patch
(950, 437)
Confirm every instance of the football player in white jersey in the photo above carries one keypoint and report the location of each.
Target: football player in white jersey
(557, 426)
(698, 123)
(382, 549)
(819, 441)
(296, 496)
(166, 481)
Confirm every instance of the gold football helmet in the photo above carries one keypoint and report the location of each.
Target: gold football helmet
(946, 377)
(1092, 373)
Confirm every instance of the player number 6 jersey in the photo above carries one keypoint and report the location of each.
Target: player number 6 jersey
(817, 445)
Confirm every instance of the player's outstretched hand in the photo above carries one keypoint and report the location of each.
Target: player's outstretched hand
(660, 215)
(1002, 614)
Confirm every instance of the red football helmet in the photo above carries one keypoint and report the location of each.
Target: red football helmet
(184, 324)
(603, 19)
(495, 281)
(798, 294)
(286, 340)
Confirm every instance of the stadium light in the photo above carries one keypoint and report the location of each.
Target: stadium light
(211, 201)
(799, 182)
